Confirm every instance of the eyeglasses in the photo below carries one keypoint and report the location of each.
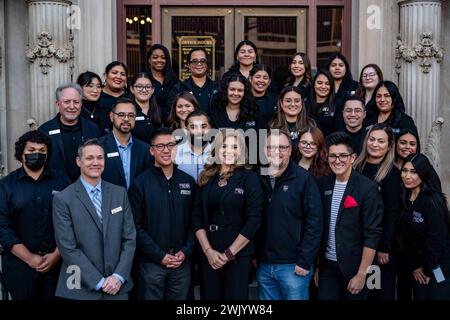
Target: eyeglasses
(343, 157)
(141, 88)
(201, 61)
(357, 110)
(368, 75)
(307, 144)
(123, 115)
(281, 148)
(161, 146)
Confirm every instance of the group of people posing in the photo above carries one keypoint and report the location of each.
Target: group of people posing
(145, 188)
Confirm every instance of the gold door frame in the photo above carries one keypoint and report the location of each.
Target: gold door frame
(227, 13)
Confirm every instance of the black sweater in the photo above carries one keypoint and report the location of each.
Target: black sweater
(424, 233)
(292, 218)
(391, 191)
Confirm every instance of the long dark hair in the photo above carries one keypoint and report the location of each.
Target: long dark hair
(347, 82)
(248, 110)
(431, 184)
(154, 112)
(307, 77)
(329, 102)
(236, 65)
(398, 106)
(173, 122)
(402, 133)
(319, 166)
(169, 75)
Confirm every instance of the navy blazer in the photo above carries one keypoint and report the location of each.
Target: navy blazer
(241, 211)
(58, 161)
(356, 227)
(113, 172)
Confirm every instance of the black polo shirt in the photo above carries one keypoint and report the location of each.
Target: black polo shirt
(26, 209)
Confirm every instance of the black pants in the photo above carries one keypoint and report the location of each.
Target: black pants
(229, 282)
(388, 280)
(432, 290)
(156, 282)
(405, 279)
(25, 283)
(333, 284)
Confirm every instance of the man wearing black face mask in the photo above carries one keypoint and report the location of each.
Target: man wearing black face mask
(31, 258)
(192, 155)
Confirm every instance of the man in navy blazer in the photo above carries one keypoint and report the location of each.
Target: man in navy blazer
(353, 210)
(125, 157)
(68, 130)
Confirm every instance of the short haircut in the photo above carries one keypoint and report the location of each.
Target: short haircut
(75, 86)
(85, 78)
(356, 98)
(35, 136)
(87, 143)
(337, 138)
(197, 113)
(122, 100)
(163, 131)
(279, 132)
(188, 57)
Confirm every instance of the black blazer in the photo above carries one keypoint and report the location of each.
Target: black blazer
(241, 210)
(113, 172)
(356, 227)
(58, 161)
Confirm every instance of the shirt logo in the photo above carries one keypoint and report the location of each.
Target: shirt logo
(328, 193)
(54, 192)
(250, 123)
(184, 185)
(285, 188)
(239, 191)
(417, 217)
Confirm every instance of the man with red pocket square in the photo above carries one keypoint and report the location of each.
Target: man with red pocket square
(353, 211)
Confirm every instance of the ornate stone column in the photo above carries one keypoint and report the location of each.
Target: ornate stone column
(418, 58)
(50, 52)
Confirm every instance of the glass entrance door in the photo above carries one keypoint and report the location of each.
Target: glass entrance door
(277, 32)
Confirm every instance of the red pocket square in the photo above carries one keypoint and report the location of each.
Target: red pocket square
(350, 202)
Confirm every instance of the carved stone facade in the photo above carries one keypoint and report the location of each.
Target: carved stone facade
(44, 51)
(425, 50)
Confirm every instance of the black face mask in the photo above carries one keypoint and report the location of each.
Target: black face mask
(195, 140)
(35, 161)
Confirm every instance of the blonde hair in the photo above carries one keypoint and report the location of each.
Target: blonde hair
(213, 163)
(388, 162)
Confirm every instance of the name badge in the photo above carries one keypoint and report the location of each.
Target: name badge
(115, 210)
(185, 192)
(52, 132)
(140, 118)
(328, 192)
(112, 154)
(239, 191)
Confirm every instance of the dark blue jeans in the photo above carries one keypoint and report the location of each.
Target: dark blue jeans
(280, 282)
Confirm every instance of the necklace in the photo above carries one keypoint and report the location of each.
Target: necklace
(91, 113)
(222, 181)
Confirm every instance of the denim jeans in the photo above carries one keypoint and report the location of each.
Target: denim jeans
(280, 282)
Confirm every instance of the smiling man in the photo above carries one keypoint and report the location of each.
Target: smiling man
(353, 210)
(126, 157)
(162, 199)
(68, 130)
(354, 114)
(95, 233)
(199, 83)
